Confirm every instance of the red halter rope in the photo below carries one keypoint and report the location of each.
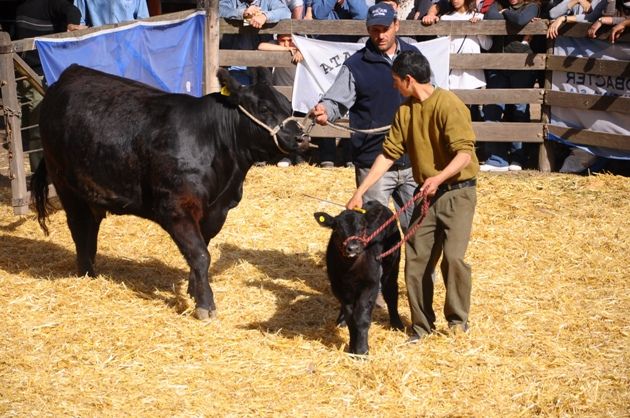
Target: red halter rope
(425, 209)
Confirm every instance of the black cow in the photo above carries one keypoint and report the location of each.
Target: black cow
(355, 269)
(120, 146)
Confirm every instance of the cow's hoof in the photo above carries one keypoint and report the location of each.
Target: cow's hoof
(203, 314)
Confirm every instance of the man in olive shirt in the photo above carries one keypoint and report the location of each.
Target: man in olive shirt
(434, 127)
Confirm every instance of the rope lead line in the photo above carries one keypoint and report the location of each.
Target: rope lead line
(425, 209)
(276, 129)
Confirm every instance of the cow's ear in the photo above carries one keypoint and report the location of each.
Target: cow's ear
(229, 86)
(261, 75)
(324, 219)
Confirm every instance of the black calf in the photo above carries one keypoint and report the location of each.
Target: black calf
(355, 268)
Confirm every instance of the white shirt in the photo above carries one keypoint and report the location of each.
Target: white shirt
(467, 44)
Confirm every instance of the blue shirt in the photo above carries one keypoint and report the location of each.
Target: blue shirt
(105, 12)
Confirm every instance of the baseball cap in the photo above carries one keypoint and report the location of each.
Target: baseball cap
(380, 14)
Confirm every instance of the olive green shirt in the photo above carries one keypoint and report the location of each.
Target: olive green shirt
(432, 132)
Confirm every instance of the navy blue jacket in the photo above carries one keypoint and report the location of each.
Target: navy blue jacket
(376, 101)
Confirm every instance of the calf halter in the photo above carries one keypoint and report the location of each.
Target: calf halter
(273, 131)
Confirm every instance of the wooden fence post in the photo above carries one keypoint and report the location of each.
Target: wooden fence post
(13, 115)
(211, 45)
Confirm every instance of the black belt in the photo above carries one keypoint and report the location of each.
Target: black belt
(459, 185)
(397, 167)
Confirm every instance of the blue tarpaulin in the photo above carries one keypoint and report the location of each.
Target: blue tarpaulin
(166, 55)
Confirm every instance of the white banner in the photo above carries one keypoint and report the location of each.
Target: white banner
(586, 83)
(323, 59)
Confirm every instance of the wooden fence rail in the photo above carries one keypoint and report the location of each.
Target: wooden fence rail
(532, 132)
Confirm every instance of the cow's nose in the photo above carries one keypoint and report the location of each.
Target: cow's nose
(353, 248)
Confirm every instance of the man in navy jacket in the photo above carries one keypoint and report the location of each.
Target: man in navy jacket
(363, 88)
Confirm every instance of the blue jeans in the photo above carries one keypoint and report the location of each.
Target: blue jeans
(397, 184)
(499, 153)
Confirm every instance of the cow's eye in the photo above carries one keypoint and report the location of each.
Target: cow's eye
(263, 109)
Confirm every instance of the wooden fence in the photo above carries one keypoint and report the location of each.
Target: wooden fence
(540, 97)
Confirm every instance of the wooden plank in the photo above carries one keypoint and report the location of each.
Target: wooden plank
(457, 61)
(485, 131)
(12, 107)
(506, 96)
(588, 101)
(589, 66)
(477, 96)
(488, 61)
(23, 68)
(407, 28)
(587, 137)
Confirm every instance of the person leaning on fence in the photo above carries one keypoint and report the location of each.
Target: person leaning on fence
(37, 18)
(504, 156)
(574, 11)
(254, 13)
(616, 12)
(105, 12)
(466, 10)
(434, 127)
(284, 76)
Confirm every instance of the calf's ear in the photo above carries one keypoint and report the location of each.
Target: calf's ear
(324, 219)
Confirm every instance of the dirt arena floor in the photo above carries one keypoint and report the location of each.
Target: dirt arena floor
(549, 336)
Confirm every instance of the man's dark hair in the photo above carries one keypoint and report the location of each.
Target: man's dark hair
(412, 63)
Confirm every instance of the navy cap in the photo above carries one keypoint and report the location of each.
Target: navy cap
(380, 14)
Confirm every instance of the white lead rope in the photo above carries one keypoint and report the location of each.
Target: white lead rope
(276, 129)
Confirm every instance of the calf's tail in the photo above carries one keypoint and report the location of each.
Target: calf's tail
(39, 195)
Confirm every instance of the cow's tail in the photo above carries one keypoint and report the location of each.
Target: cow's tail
(39, 195)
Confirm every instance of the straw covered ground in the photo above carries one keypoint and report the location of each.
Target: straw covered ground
(550, 334)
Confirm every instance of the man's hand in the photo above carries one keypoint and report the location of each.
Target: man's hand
(258, 21)
(430, 19)
(355, 202)
(430, 186)
(618, 29)
(71, 27)
(552, 31)
(319, 114)
(592, 30)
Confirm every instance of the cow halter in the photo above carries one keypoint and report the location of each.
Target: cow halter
(273, 131)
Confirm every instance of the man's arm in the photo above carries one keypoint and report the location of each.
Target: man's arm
(457, 164)
(337, 100)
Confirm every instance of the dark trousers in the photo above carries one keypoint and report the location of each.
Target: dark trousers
(447, 226)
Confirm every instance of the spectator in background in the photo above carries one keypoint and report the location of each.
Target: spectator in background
(615, 13)
(504, 156)
(255, 13)
(296, 7)
(465, 10)
(37, 18)
(339, 9)
(574, 11)
(105, 12)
